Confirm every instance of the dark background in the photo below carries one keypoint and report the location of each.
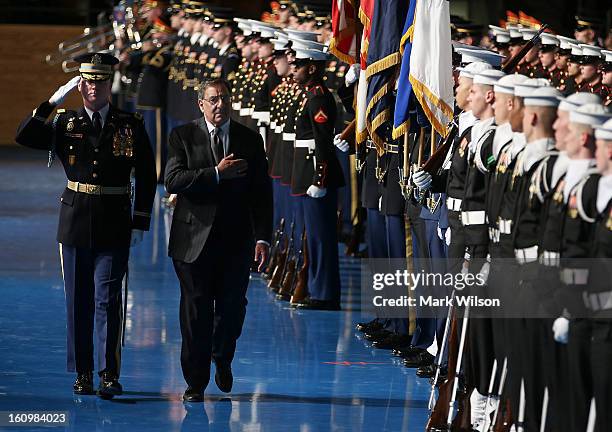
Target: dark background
(559, 14)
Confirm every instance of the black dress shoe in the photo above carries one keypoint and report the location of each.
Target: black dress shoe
(224, 378)
(375, 324)
(83, 385)
(109, 386)
(313, 304)
(394, 340)
(418, 360)
(406, 351)
(375, 335)
(193, 395)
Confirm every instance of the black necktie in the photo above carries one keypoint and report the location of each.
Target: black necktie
(97, 123)
(217, 145)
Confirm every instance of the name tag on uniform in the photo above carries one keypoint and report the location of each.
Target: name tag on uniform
(73, 135)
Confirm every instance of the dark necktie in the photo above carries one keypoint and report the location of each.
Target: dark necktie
(217, 145)
(97, 123)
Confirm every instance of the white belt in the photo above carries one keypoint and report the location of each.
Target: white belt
(309, 143)
(505, 226)
(527, 255)
(288, 137)
(273, 126)
(246, 111)
(550, 258)
(473, 217)
(453, 204)
(236, 106)
(598, 301)
(264, 116)
(571, 276)
(278, 129)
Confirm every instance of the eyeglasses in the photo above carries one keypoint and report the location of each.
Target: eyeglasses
(216, 99)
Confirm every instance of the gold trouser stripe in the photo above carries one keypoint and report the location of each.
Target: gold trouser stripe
(410, 267)
(354, 188)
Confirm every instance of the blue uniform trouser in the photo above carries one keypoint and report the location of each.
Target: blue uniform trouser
(429, 327)
(92, 283)
(396, 243)
(321, 235)
(376, 235)
(155, 125)
(279, 202)
(294, 214)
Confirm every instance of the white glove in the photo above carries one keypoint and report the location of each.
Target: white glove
(352, 74)
(447, 236)
(440, 233)
(316, 192)
(136, 237)
(422, 180)
(60, 94)
(561, 329)
(342, 145)
(484, 271)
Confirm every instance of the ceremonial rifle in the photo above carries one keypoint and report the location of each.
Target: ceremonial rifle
(300, 290)
(434, 163)
(277, 276)
(290, 268)
(275, 252)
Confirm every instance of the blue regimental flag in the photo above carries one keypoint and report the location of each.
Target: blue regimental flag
(401, 117)
(383, 60)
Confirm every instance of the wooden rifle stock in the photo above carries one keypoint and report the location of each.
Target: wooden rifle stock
(277, 277)
(290, 268)
(439, 415)
(352, 245)
(275, 253)
(301, 286)
(434, 163)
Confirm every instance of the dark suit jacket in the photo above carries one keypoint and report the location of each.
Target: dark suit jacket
(241, 208)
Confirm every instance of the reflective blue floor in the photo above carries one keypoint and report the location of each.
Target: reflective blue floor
(294, 371)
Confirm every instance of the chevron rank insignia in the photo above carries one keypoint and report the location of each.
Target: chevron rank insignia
(320, 116)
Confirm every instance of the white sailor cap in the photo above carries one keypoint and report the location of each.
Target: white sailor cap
(576, 100)
(299, 34)
(543, 97)
(507, 83)
(565, 42)
(307, 44)
(310, 54)
(528, 33)
(471, 55)
(604, 131)
(488, 77)
(472, 69)
(590, 114)
(526, 87)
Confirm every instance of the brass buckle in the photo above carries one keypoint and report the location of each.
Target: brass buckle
(93, 189)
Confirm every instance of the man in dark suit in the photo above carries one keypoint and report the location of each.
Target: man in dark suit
(218, 169)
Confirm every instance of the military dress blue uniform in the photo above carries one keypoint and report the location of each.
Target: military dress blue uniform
(315, 163)
(96, 219)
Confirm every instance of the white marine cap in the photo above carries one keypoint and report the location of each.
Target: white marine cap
(471, 55)
(576, 100)
(300, 34)
(590, 114)
(543, 97)
(607, 55)
(502, 38)
(265, 30)
(307, 44)
(515, 32)
(245, 26)
(506, 84)
(604, 131)
(472, 69)
(279, 44)
(496, 29)
(526, 87)
(528, 33)
(590, 50)
(549, 40)
(565, 42)
(576, 50)
(488, 77)
(281, 36)
(310, 54)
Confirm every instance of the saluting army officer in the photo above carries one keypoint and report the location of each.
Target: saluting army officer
(98, 146)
